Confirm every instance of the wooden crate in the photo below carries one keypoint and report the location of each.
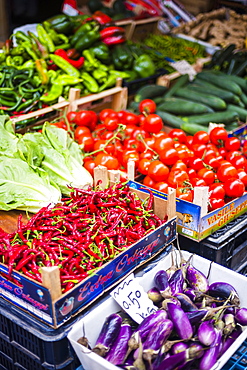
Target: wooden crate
(139, 29)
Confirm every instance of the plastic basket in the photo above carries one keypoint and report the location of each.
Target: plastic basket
(227, 246)
(239, 360)
(27, 344)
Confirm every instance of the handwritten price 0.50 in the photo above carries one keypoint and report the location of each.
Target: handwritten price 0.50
(132, 300)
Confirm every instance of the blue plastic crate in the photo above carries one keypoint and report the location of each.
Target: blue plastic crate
(239, 360)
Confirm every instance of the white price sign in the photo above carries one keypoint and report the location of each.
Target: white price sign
(130, 295)
(184, 67)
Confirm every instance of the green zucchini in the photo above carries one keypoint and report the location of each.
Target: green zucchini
(149, 92)
(220, 81)
(210, 100)
(241, 111)
(170, 119)
(227, 116)
(183, 107)
(192, 128)
(180, 82)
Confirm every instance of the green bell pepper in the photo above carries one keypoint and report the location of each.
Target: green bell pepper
(101, 52)
(61, 23)
(144, 66)
(88, 39)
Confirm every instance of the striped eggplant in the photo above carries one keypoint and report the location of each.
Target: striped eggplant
(172, 299)
(108, 334)
(224, 290)
(118, 350)
(180, 321)
(211, 355)
(174, 361)
(241, 316)
(155, 295)
(195, 317)
(196, 279)
(186, 303)
(206, 333)
(161, 282)
(179, 347)
(176, 282)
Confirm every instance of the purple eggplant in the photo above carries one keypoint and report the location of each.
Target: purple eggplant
(162, 283)
(196, 279)
(172, 299)
(180, 321)
(211, 355)
(155, 295)
(179, 347)
(108, 334)
(192, 294)
(224, 290)
(206, 333)
(176, 282)
(196, 316)
(174, 361)
(186, 303)
(118, 350)
(241, 316)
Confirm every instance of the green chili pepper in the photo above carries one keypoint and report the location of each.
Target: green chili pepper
(88, 39)
(90, 58)
(144, 66)
(29, 50)
(41, 68)
(82, 30)
(121, 74)
(45, 38)
(21, 37)
(61, 23)
(101, 51)
(57, 38)
(54, 93)
(111, 81)
(89, 82)
(67, 80)
(65, 66)
(15, 61)
(100, 76)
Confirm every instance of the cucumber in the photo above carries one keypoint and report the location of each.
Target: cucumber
(238, 80)
(170, 119)
(241, 111)
(192, 128)
(220, 81)
(208, 88)
(149, 92)
(227, 116)
(180, 82)
(210, 100)
(183, 107)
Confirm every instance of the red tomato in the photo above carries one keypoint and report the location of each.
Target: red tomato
(139, 132)
(177, 178)
(107, 160)
(185, 193)
(83, 118)
(148, 181)
(101, 144)
(86, 142)
(81, 131)
(215, 203)
(89, 165)
(201, 137)
(178, 135)
(132, 144)
(169, 156)
(130, 155)
(207, 175)
(147, 154)
(131, 118)
(232, 143)
(213, 161)
(163, 143)
(158, 171)
(107, 112)
(199, 150)
(239, 161)
(222, 152)
(234, 188)
(189, 141)
(226, 171)
(111, 123)
(179, 165)
(233, 153)
(147, 143)
(217, 190)
(71, 116)
(60, 124)
(192, 173)
(196, 163)
(242, 175)
(153, 123)
(129, 130)
(218, 135)
(143, 166)
(94, 120)
(147, 106)
(121, 116)
(195, 181)
(161, 186)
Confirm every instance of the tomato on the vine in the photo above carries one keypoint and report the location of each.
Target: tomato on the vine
(102, 145)
(107, 112)
(132, 144)
(84, 118)
(60, 124)
(152, 123)
(178, 135)
(218, 135)
(185, 193)
(147, 106)
(147, 143)
(81, 131)
(163, 143)
(158, 171)
(86, 142)
(71, 116)
(131, 118)
(107, 160)
(130, 155)
(111, 123)
(89, 165)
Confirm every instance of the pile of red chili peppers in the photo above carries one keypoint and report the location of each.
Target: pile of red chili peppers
(80, 234)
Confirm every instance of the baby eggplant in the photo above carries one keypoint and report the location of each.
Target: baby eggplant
(180, 321)
(224, 290)
(196, 279)
(186, 303)
(206, 333)
(176, 282)
(179, 347)
(155, 295)
(175, 361)
(211, 355)
(241, 316)
(162, 283)
(118, 350)
(230, 324)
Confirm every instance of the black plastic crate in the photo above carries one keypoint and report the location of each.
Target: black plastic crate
(238, 361)
(134, 85)
(227, 246)
(27, 344)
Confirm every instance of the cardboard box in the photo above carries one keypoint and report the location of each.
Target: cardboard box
(86, 326)
(48, 305)
(190, 221)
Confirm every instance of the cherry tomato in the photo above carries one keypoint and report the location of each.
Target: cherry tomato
(189, 141)
(60, 124)
(207, 175)
(158, 171)
(217, 190)
(90, 165)
(185, 193)
(83, 118)
(129, 130)
(191, 172)
(107, 160)
(162, 186)
(199, 150)
(179, 165)
(86, 142)
(147, 143)
(232, 143)
(130, 155)
(218, 135)
(177, 178)
(153, 123)
(131, 118)
(147, 154)
(226, 171)
(111, 123)
(222, 152)
(213, 161)
(94, 120)
(121, 116)
(196, 163)
(169, 156)
(107, 112)
(239, 161)
(195, 181)
(242, 175)
(148, 181)
(147, 106)
(178, 135)
(81, 131)
(139, 132)
(143, 166)
(233, 153)
(215, 203)
(163, 143)
(71, 116)
(131, 144)
(234, 188)
(101, 144)
(201, 137)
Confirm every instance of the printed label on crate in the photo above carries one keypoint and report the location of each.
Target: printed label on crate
(184, 67)
(130, 295)
(114, 271)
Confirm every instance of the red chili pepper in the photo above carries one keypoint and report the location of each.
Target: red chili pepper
(111, 31)
(75, 63)
(101, 17)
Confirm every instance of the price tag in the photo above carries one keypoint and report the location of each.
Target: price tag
(130, 295)
(184, 67)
